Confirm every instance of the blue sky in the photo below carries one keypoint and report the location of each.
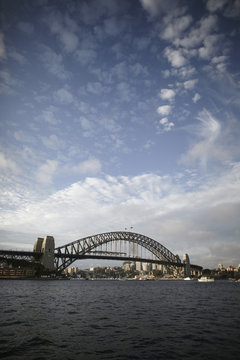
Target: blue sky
(119, 114)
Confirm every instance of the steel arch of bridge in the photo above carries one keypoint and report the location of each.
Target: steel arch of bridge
(65, 255)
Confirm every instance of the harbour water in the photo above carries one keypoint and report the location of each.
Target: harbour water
(119, 320)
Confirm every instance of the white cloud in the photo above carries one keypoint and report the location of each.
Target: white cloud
(17, 56)
(7, 164)
(195, 37)
(214, 5)
(207, 149)
(25, 27)
(211, 127)
(164, 121)
(159, 7)
(85, 56)
(148, 144)
(22, 136)
(184, 220)
(103, 76)
(109, 124)
(125, 91)
(219, 64)
(91, 12)
(89, 167)
(218, 59)
(175, 57)
(167, 94)
(113, 26)
(50, 116)
(8, 83)
(153, 7)
(137, 69)
(207, 25)
(63, 96)
(166, 124)
(220, 68)
(232, 9)
(46, 172)
(183, 72)
(164, 110)
(176, 27)
(211, 45)
(118, 50)
(53, 62)
(69, 40)
(166, 73)
(52, 142)
(3, 54)
(142, 43)
(196, 98)
(86, 124)
(64, 29)
(96, 88)
(190, 84)
(120, 70)
(217, 67)
(6, 77)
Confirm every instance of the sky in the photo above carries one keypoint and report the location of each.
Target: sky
(118, 115)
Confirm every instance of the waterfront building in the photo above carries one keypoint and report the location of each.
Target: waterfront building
(128, 266)
(147, 267)
(138, 266)
(71, 271)
(154, 266)
(220, 267)
(230, 268)
(16, 273)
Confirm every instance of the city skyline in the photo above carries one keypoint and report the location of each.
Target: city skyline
(121, 114)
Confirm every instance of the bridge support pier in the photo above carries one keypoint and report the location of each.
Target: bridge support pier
(46, 247)
(187, 268)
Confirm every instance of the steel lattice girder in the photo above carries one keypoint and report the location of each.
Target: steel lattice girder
(19, 254)
(85, 245)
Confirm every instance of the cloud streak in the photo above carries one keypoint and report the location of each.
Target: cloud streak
(208, 148)
(154, 204)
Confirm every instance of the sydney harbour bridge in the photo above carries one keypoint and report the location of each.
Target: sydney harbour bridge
(117, 245)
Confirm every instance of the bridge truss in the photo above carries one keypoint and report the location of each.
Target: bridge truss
(10, 255)
(119, 245)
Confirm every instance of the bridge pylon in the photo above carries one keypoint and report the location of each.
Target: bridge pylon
(187, 268)
(46, 247)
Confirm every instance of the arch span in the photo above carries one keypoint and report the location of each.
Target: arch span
(65, 255)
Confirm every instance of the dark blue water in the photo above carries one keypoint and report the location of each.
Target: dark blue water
(119, 320)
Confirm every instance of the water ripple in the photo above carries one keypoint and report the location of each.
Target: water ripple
(119, 320)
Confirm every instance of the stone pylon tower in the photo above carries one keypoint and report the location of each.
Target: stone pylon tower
(45, 246)
(186, 261)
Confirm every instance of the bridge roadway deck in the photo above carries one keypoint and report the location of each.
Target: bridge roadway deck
(37, 255)
(20, 253)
